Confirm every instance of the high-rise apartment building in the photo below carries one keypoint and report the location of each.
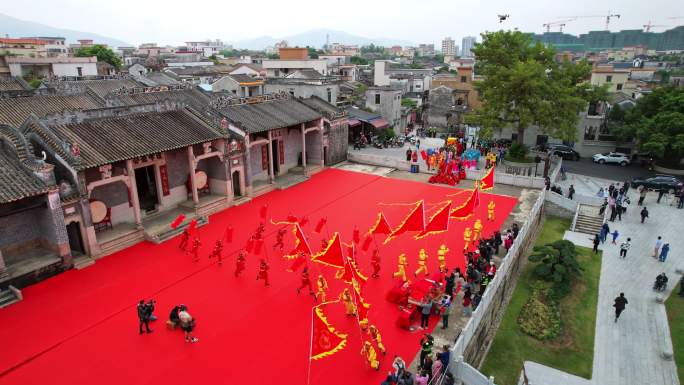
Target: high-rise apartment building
(448, 46)
(467, 45)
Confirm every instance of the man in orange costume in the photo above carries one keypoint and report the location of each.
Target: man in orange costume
(368, 352)
(375, 335)
(466, 237)
(422, 263)
(490, 210)
(477, 230)
(263, 271)
(346, 298)
(441, 257)
(322, 286)
(401, 268)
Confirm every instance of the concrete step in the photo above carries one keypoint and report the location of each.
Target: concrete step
(241, 201)
(213, 207)
(169, 233)
(7, 297)
(121, 243)
(83, 261)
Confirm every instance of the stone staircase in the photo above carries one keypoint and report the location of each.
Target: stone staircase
(588, 220)
(9, 296)
(82, 261)
(159, 235)
(121, 242)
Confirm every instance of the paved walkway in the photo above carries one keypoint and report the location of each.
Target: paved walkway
(630, 351)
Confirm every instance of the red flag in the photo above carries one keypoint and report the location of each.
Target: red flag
(301, 244)
(291, 218)
(381, 226)
(303, 221)
(350, 271)
(415, 221)
(257, 246)
(362, 307)
(325, 341)
(487, 181)
(229, 234)
(298, 262)
(319, 225)
(332, 255)
(176, 222)
(465, 210)
(263, 211)
(423, 154)
(356, 236)
(439, 222)
(192, 226)
(366, 243)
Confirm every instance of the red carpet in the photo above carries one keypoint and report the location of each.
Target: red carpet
(81, 326)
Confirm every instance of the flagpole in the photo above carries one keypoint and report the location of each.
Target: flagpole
(308, 373)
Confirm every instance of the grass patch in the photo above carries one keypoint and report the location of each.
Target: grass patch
(573, 350)
(675, 315)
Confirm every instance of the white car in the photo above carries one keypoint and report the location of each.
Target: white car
(611, 157)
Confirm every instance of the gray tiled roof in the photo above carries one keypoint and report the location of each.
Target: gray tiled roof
(321, 106)
(108, 140)
(11, 84)
(242, 78)
(269, 115)
(16, 182)
(13, 111)
(105, 86)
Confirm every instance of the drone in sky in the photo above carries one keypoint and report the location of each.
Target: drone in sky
(503, 17)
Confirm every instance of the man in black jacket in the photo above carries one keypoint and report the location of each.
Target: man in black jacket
(619, 305)
(144, 313)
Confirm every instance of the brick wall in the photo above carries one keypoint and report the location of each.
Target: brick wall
(338, 141)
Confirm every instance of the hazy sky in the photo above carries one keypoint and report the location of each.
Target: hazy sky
(175, 21)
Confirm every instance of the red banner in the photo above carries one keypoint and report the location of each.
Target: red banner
(415, 221)
(164, 176)
(439, 222)
(325, 341)
(487, 181)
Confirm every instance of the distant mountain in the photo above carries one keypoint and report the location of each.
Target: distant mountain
(20, 28)
(316, 38)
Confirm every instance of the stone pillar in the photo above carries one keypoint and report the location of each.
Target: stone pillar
(3, 267)
(247, 167)
(304, 147)
(134, 193)
(270, 158)
(56, 217)
(191, 167)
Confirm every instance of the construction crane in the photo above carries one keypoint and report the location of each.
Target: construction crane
(607, 17)
(559, 23)
(647, 27)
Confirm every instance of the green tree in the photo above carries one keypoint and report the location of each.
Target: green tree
(313, 52)
(358, 60)
(102, 53)
(523, 85)
(557, 264)
(657, 124)
(228, 53)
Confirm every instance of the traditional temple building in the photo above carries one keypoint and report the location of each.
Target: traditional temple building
(103, 164)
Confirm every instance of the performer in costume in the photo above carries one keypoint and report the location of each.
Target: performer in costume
(466, 237)
(375, 262)
(368, 352)
(263, 271)
(218, 248)
(195, 248)
(477, 230)
(260, 231)
(422, 263)
(324, 243)
(401, 268)
(306, 281)
(346, 298)
(490, 210)
(322, 285)
(375, 335)
(240, 263)
(441, 257)
(185, 237)
(279, 239)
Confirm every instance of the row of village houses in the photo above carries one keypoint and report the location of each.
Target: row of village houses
(88, 167)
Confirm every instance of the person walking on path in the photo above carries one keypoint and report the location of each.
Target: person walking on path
(425, 311)
(663, 252)
(644, 214)
(144, 316)
(597, 241)
(656, 247)
(445, 309)
(615, 235)
(624, 246)
(619, 305)
(605, 230)
(642, 195)
(571, 192)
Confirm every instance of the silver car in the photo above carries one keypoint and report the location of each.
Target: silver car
(611, 157)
